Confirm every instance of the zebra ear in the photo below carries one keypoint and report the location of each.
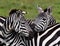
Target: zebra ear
(40, 10)
(24, 12)
(48, 10)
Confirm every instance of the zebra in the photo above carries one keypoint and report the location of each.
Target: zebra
(40, 25)
(50, 35)
(15, 29)
(43, 20)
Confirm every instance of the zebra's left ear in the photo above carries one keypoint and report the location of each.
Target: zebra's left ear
(40, 10)
(48, 10)
(24, 12)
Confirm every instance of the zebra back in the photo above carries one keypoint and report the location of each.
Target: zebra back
(50, 37)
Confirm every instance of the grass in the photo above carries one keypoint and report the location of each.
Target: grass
(30, 6)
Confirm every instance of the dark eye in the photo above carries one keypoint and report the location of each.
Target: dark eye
(44, 19)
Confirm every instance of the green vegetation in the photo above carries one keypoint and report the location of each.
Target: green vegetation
(30, 6)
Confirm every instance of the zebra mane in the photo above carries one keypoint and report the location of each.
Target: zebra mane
(13, 11)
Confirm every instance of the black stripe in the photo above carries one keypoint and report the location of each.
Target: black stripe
(1, 37)
(22, 28)
(22, 25)
(31, 43)
(2, 17)
(10, 37)
(28, 42)
(1, 21)
(41, 26)
(1, 28)
(12, 41)
(16, 25)
(53, 38)
(46, 35)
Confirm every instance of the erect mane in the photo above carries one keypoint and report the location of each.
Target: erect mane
(13, 11)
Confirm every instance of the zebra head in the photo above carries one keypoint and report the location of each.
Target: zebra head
(18, 23)
(43, 20)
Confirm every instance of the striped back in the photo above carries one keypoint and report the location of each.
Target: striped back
(17, 22)
(51, 36)
(43, 20)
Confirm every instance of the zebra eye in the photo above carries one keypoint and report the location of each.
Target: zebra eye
(44, 19)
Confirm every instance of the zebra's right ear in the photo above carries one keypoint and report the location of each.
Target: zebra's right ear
(48, 10)
(40, 10)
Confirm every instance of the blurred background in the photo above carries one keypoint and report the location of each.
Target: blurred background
(30, 6)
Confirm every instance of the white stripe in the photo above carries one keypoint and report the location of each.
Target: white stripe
(30, 42)
(10, 27)
(17, 26)
(54, 42)
(10, 41)
(2, 18)
(38, 26)
(41, 25)
(2, 40)
(38, 39)
(1, 24)
(48, 38)
(33, 42)
(14, 42)
(1, 32)
(57, 45)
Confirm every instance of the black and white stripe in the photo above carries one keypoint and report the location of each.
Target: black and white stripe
(51, 36)
(2, 20)
(15, 29)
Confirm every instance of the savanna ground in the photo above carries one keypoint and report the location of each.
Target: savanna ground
(30, 6)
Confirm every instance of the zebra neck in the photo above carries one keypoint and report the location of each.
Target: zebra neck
(6, 28)
(5, 32)
(47, 28)
(51, 25)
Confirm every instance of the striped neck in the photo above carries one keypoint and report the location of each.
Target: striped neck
(47, 28)
(51, 25)
(6, 32)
